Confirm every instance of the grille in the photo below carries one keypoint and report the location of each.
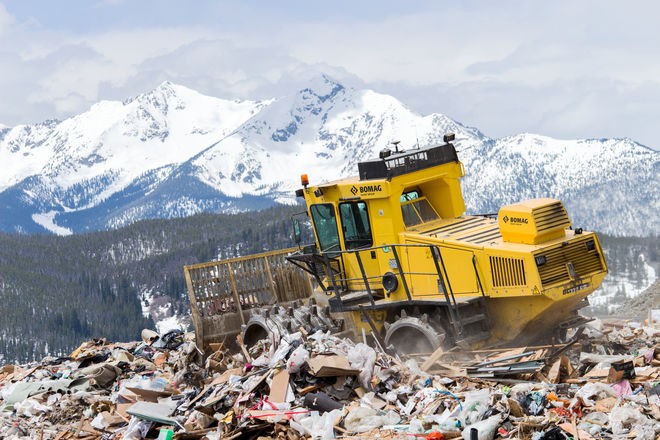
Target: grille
(551, 216)
(507, 271)
(586, 261)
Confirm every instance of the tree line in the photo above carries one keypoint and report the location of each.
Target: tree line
(56, 292)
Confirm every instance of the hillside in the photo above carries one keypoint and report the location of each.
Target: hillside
(639, 306)
(58, 291)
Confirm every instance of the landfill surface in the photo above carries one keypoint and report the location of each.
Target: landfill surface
(603, 382)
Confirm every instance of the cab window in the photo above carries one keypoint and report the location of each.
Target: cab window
(410, 195)
(325, 224)
(416, 209)
(355, 224)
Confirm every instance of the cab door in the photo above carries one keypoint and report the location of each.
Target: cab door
(358, 241)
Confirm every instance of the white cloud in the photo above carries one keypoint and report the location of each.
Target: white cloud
(564, 109)
(6, 19)
(566, 69)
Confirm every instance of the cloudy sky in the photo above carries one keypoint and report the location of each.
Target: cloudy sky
(566, 68)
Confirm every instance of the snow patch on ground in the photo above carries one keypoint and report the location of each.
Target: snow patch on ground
(47, 220)
(146, 298)
(172, 323)
(159, 308)
(616, 289)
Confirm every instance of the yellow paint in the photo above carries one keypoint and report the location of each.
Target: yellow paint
(495, 258)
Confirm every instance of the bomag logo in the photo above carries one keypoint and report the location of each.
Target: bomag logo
(515, 220)
(366, 189)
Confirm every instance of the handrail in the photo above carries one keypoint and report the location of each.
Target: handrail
(364, 277)
(476, 272)
(403, 278)
(338, 256)
(452, 307)
(330, 272)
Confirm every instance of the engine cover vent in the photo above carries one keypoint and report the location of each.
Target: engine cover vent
(507, 272)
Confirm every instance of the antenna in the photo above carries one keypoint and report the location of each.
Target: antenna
(396, 145)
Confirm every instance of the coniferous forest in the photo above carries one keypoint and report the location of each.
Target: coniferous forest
(56, 292)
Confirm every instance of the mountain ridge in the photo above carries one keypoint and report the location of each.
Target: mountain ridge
(174, 152)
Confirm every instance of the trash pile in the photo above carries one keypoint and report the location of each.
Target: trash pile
(603, 383)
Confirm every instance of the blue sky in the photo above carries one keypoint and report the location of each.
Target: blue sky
(567, 69)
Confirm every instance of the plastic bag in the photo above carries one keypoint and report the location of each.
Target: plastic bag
(534, 403)
(623, 418)
(137, 429)
(363, 419)
(321, 426)
(416, 426)
(297, 359)
(486, 428)
(522, 389)
(593, 422)
(475, 405)
(446, 422)
(622, 388)
(280, 354)
(30, 407)
(170, 340)
(594, 390)
(99, 422)
(413, 366)
(363, 358)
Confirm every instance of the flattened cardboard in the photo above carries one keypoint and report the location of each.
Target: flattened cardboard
(149, 395)
(576, 433)
(330, 366)
(560, 369)
(279, 387)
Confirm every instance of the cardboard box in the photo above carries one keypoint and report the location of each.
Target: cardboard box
(621, 370)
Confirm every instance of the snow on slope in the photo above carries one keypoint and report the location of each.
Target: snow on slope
(323, 130)
(47, 220)
(173, 152)
(24, 151)
(116, 142)
(610, 185)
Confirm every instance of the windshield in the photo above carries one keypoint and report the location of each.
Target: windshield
(325, 224)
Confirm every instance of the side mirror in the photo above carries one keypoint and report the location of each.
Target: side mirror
(297, 234)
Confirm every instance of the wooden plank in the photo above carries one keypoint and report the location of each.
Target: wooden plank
(273, 292)
(196, 317)
(239, 259)
(239, 340)
(433, 358)
(235, 292)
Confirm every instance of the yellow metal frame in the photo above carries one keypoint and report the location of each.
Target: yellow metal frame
(502, 269)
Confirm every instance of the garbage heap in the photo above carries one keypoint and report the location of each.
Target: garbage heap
(603, 383)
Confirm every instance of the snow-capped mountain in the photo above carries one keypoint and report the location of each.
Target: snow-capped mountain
(175, 152)
(608, 185)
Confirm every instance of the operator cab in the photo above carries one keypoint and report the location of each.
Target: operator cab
(395, 192)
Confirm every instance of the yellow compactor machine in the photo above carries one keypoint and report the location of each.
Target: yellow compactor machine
(395, 255)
